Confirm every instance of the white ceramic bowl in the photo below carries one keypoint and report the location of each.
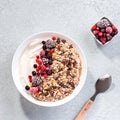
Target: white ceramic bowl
(15, 69)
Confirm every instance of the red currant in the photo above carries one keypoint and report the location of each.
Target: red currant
(53, 38)
(30, 78)
(37, 57)
(38, 61)
(45, 76)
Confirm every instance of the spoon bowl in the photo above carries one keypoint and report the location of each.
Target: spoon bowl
(103, 83)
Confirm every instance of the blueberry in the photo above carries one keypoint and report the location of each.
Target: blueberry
(43, 42)
(46, 52)
(44, 47)
(49, 56)
(38, 74)
(50, 62)
(27, 87)
(33, 73)
(35, 65)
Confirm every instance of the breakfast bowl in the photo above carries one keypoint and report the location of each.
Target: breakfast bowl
(49, 69)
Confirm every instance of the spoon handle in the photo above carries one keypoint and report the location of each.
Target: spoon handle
(84, 110)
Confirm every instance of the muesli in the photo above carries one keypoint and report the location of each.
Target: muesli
(56, 71)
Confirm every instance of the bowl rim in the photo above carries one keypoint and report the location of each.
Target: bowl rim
(64, 100)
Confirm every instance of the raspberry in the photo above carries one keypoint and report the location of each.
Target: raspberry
(34, 90)
(109, 30)
(42, 53)
(53, 38)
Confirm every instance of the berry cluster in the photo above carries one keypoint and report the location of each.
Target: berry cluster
(42, 66)
(104, 30)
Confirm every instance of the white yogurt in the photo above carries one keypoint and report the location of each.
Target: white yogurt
(27, 60)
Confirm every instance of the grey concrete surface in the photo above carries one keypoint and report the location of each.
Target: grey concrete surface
(21, 18)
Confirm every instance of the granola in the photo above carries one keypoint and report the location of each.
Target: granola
(56, 72)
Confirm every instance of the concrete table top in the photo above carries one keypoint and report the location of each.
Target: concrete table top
(21, 18)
